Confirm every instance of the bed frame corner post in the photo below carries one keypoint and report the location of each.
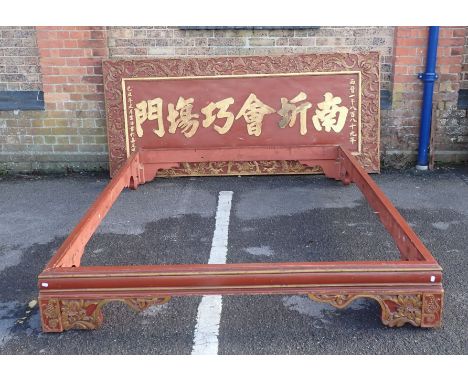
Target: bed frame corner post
(59, 314)
(51, 316)
(432, 309)
(136, 173)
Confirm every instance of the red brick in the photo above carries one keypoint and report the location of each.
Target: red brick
(63, 35)
(50, 52)
(459, 32)
(55, 79)
(92, 79)
(74, 79)
(70, 43)
(54, 97)
(98, 34)
(103, 52)
(403, 78)
(50, 70)
(444, 76)
(80, 87)
(73, 61)
(80, 35)
(69, 88)
(416, 60)
(454, 41)
(52, 61)
(90, 43)
(47, 88)
(97, 70)
(51, 28)
(420, 32)
(405, 51)
(91, 61)
(72, 70)
(445, 32)
(454, 69)
(414, 70)
(450, 59)
(401, 69)
(443, 51)
(71, 52)
(48, 43)
(76, 97)
(403, 32)
(43, 35)
(416, 42)
(456, 51)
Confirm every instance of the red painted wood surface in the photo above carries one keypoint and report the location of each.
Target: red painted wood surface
(232, 129)
(417, 274)
(300, 81)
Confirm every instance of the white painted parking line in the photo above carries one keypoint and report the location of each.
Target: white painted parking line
(209, 311)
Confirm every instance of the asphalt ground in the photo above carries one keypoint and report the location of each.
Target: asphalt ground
(282, 218)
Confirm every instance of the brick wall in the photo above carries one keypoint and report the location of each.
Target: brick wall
(400, 125)
(70, 132)
(170, 41)
(451, 124)
(400, 129)
(19, 61)
(464, 72)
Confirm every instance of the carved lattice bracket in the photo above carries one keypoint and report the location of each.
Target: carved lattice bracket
(140, 304)
(424, 309)
(58, 315)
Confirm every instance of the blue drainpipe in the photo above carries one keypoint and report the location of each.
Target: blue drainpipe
(429, 77)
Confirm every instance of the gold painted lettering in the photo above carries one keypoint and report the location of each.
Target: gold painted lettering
(222, 113)
(289, 111)
(253, 112)
(149, 111)
(155, 113)
(326, 117)
(181, 117)
(141, 115)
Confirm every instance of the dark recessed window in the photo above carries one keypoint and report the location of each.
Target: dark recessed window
(385, 99)
(463, 99)
(21, 100)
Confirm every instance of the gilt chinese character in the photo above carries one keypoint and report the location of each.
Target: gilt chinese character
(253, 112)
(222, 113)
(352, 137)
(289, 111)
(149, 110)
(331, 116)
(181, 117)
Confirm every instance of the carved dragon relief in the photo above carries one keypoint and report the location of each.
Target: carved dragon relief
(397, 310)
(64, 314)
(240, 168)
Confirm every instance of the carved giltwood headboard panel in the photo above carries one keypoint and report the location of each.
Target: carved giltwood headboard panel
(247, 101)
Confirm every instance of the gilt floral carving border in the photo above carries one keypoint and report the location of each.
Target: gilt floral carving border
(367, 63)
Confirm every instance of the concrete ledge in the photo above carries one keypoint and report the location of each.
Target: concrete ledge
(407, 158)
(52, 163)
(451, 156)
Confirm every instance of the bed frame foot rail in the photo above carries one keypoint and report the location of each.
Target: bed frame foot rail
(59, 314)
(418, 309)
